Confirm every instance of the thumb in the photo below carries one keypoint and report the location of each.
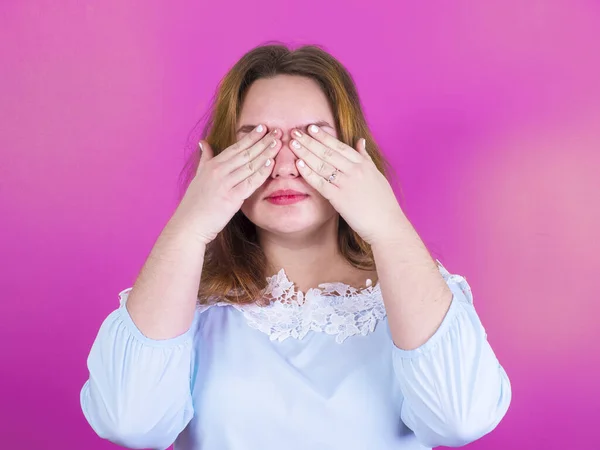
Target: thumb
(362, 148)
(206, 152)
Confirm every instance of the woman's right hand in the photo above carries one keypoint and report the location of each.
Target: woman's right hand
(223, 182)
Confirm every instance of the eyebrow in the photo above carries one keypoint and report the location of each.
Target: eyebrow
(321, 123)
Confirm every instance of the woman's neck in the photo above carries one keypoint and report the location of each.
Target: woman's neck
(309, 259)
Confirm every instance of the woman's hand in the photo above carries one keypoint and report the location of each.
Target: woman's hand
(349, 179)
(223, 182)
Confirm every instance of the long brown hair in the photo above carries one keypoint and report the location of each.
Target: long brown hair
(234, 263)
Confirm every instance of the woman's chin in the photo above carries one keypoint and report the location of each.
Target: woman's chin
(290, 227)
(293, 221)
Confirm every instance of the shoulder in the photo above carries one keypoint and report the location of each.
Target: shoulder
(457, 283)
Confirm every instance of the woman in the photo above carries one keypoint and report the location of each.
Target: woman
(289, 303)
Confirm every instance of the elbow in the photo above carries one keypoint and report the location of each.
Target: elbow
(474, 426)
(122, 426)
(462, 434)
(469, 431)
(457, 432)
(130, 436)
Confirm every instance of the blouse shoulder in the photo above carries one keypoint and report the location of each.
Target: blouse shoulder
(456, 282)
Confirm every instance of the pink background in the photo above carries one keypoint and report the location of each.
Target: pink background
(488, 110)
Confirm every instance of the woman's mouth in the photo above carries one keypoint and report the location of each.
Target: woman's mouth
(286, 197)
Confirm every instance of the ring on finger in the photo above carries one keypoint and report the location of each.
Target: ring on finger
(332, 177)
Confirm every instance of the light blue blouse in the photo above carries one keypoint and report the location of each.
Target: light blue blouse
(317, 371)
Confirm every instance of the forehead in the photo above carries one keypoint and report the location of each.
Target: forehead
(285, 101)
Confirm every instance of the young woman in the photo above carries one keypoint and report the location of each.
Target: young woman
(288, 302)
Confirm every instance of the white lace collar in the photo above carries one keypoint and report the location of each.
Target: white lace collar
(334, 308)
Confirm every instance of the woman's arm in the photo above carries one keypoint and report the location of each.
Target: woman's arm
(455, 389)
(164, 296)
(416, 296)
(163, 299)
(138, 392)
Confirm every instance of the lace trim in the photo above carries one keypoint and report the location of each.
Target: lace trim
(334, 308)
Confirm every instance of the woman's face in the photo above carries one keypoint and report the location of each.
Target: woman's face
(286, 102)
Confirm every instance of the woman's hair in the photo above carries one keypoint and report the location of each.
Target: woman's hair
(234, 263)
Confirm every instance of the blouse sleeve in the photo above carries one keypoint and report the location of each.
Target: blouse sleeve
(138, 393)
(455, 390)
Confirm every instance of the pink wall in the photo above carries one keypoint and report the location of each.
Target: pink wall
(489, 111)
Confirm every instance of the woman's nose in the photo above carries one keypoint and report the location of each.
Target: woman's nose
(285, 162)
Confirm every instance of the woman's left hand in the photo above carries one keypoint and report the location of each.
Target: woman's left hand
(349, 179)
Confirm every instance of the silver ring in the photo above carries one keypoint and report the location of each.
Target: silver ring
(331, 178)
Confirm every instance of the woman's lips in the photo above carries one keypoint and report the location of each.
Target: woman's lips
(286, 197)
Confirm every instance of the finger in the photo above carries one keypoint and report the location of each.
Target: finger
(206, 154)
(362, 148)
(249, 168)
(318, 165)
(248, 185)
(319, 183)
(246, 142)
(327, 154)
(331, 142)
(246, 156)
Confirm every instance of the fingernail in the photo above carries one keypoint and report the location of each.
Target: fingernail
(301, 163)
(259, 129)
(364, 143)
(295, 144)
(268, 163)
(200, 145)
(274, 132)
(273, 144)
(314, 129)
(297, 133)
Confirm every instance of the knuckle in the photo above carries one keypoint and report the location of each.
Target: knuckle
(218, 170)
(322, 167)
(321, 183)
(328, 153)
(249, 183)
